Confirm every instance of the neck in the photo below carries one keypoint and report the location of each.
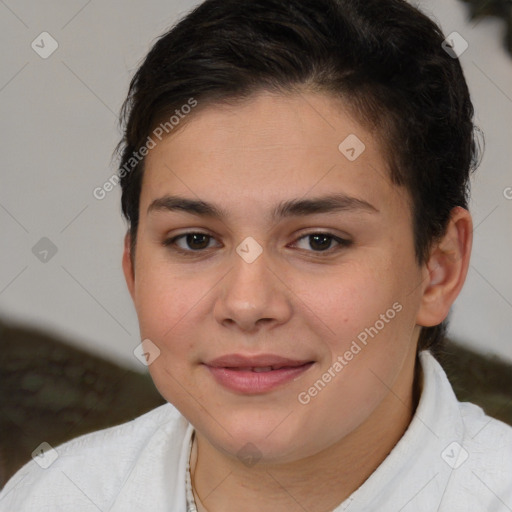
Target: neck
(318, 483)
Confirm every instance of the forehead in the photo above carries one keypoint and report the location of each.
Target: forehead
(267, 149)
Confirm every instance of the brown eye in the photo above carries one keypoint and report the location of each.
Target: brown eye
(197, 241)
(321, 242)
(190, 242)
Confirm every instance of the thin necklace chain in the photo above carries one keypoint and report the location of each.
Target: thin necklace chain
(191, 502)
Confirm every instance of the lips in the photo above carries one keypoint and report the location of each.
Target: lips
(256, 374)
(265, 361)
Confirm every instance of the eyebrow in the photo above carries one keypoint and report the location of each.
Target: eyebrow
(294, 207)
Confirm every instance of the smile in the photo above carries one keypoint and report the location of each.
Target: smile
(256, 374)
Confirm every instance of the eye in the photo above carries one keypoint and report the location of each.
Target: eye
(197, 242)
(194, 241)
(321, 242)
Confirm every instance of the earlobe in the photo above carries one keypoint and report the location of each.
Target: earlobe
(446, 269)
(128, 269)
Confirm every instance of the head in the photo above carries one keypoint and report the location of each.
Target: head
(248, 105)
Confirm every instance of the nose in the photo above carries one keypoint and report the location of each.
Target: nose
(252, 296)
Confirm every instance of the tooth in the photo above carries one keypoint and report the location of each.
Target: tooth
(262, 369)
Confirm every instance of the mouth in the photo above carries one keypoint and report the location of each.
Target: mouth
(259, 369)
(256, 374)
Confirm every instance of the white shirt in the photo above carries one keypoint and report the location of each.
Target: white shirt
(451, 458)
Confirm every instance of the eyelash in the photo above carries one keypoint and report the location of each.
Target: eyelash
(169, 243)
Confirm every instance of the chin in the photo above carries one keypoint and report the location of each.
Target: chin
(268, 441)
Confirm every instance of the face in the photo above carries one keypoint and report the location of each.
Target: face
(285, 307)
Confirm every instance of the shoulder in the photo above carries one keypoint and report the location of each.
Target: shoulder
(474, 425)
(95, 463)
(476, 450)
(481, 464)
(114, 440)
(487, 440)
(470, 452)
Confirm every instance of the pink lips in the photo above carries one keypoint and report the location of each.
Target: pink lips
(255, 374)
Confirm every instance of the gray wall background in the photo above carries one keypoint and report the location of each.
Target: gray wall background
(58, 118)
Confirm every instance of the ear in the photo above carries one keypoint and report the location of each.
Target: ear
(446, 269)
(128, 269)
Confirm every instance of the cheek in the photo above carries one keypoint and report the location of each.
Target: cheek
(166, 309)
(370, 322)
(350, 300)
(166, 305)
(163, 294)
